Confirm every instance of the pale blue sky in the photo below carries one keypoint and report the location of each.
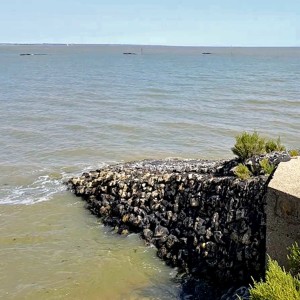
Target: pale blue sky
(163, 22)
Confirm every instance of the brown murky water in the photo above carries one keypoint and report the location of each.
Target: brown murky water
(57, 250)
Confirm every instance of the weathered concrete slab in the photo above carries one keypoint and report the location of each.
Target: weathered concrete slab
(283, 210)
(287, 177)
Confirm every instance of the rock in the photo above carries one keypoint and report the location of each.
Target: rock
(194, 202)
(160, 231)
(218, 237)
(208, 233)
(171, 241)
(241, 293)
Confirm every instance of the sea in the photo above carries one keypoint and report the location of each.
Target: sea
(66, 109)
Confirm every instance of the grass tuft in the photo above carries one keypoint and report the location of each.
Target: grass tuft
(274, 145)
(242, 172)
(248, 145)
(294, 153)
(266, 166)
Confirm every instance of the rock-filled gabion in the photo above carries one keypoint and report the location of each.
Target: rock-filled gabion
(198, 214)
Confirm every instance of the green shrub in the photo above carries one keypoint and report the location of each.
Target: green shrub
(242, 172)
(266, 166)
(293, 152)
(294, 259)
(248, 144)
(274, 145)
(279, 285)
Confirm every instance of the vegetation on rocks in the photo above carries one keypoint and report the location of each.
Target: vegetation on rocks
(274, 145)
(279, 284)
(266, 166)
(294, 152)
(254, 152)
(242, 172)
(250, 144)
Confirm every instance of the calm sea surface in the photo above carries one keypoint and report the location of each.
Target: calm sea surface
(81, 107)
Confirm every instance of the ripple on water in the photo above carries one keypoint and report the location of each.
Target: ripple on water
(81, 107)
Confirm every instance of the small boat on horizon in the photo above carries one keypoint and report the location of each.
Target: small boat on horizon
(28, 54)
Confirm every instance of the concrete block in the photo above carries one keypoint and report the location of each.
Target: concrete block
(283, 210)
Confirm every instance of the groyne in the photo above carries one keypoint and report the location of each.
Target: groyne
(199, 215)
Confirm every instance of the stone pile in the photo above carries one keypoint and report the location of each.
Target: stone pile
(200, 217)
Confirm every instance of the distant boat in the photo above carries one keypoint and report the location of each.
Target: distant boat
(129, 53)
(206, 53)
(25, 54)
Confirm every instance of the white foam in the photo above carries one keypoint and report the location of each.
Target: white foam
(42, 189)
(44, 186)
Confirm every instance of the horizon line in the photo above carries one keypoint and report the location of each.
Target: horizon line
(144, 45)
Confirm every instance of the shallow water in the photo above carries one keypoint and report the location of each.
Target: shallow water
(57, 250)
(81, 107)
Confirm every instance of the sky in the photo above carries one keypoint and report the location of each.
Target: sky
(152, 22)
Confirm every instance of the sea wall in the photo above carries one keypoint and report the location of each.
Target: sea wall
(198, 214)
